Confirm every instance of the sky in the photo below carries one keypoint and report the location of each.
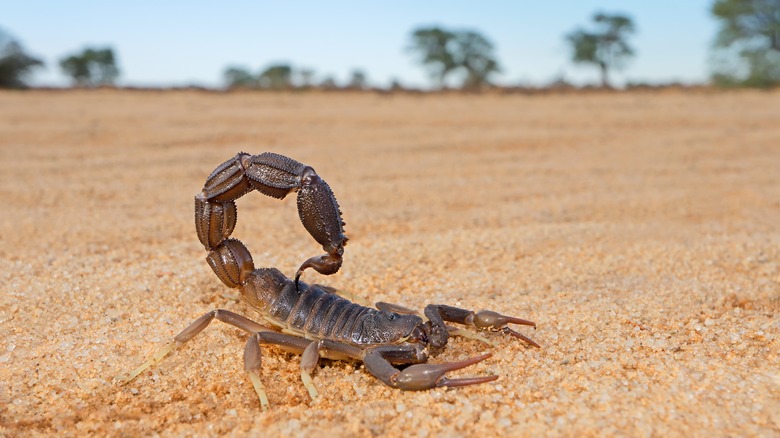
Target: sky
(182, 43)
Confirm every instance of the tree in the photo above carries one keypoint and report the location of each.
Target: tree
(329, 83)
(396, 85)
(239, 77)
(475, 55)
(15, 64)
(358, 80)
(605, 46)
(276, 77)
(434, 47)
(92, 67)
(444, 52)
(306, 77)
(748, 42)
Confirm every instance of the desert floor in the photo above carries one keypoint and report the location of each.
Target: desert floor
(639, 230)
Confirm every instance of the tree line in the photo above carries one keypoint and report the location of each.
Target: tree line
(746, 52)
(284, 76)
(89, 67)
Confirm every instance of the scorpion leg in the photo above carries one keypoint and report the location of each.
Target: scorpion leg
(420, 376)
(252, 357)
(190, 332)
(482, 320)
(310, 351)
(324, 348)
(309, 359)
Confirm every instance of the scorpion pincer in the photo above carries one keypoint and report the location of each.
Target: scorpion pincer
(393, 342)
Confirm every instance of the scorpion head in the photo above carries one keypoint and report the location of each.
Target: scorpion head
(433, 336)
(388, 327)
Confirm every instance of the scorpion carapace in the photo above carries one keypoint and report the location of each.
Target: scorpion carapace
(393, 342)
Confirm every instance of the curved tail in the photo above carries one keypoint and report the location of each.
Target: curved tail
(276, 176)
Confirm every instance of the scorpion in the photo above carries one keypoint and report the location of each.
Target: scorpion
(316, 321)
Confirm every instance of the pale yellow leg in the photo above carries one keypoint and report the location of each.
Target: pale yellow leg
(254, 376)
(309, 359)
(309, 384)
(156, 358)
(457, 331)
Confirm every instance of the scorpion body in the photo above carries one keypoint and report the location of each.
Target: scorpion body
(316, 312)
(313, 320)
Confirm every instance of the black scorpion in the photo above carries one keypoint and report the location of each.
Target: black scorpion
(393, 342)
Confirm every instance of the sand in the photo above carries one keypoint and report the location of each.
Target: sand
(639, 230)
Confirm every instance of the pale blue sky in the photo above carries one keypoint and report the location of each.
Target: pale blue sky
(191, 42)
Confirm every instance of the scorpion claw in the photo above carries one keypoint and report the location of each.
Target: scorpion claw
(425, 376)
(487, 319)
(450, 383)
(490, 319)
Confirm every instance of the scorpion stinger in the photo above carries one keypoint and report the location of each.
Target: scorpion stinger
(393, 342)
(320, 214)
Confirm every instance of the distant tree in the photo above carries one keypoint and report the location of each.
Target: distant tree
(475, 54)
(435, 50)
(276, 77)
(605, 46)
(15, 64)
(749, 33)
(358, 80)
(239, 77)
(444, 52)
(396, 85)
(306, 76)
(329, 83)
(92, 67)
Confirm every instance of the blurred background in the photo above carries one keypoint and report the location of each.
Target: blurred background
(404, 45)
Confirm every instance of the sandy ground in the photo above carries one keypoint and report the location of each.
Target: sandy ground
(639, 230)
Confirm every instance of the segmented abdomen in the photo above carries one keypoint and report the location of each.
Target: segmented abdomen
(318, 313)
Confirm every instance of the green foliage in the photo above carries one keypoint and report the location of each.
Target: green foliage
(15, 64)
(748, 43)
(358, 80)
(276, 77)
(396, 85)
(605, 46)
(92, 67)
(329, 83)
(444, 52)
(475, 55)
(435, 49)
(239, 77)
